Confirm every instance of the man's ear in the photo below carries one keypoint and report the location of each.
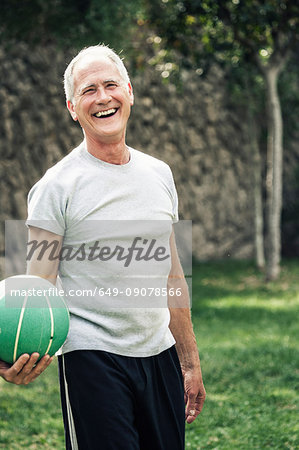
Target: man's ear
(131, 94)
(71, 109)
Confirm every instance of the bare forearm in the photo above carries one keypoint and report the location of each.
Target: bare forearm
(182, 330)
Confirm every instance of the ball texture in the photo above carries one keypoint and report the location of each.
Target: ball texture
(33, 318)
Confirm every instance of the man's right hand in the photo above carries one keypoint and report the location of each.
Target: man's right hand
(26, 369)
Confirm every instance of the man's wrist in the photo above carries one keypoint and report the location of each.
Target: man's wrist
(189, 360)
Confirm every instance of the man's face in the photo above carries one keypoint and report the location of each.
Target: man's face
(102, 101)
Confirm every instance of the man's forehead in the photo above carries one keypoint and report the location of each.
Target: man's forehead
(93, 69)
(95, 63)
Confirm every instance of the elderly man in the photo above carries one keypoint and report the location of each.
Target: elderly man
(130, 376)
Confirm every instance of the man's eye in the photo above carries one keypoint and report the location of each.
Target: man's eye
(111, 85)
(88, 91)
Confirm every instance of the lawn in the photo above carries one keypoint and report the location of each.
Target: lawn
(248, 339)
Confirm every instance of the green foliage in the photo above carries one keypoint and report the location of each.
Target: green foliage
(247, 334)
(39, 21)
(188, 29)
(226, 31)
(260, 21)
(70, 23)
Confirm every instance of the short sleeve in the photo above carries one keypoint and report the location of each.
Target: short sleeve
(175, 202)
(175, 207)
(47, 205)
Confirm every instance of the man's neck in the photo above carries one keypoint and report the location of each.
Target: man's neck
(112, 153)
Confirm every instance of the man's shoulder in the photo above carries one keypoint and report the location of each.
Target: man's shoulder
(60, 174)
(68, 164)
(150, 160)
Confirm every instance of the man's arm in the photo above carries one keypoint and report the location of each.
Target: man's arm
(26, 369)
(44, 263)
(182, 330)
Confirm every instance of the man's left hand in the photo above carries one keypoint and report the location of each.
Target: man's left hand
(195, 393)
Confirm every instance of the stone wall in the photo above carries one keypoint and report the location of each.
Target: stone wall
(205, 144)
(194, 130)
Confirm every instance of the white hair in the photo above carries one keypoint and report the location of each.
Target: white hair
(97, 50)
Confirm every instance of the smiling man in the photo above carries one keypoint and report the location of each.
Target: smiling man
(101, 101)
(130, 373)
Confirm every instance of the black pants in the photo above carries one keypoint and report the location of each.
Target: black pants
(122, 403)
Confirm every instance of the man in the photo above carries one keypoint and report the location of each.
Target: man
(122, 385)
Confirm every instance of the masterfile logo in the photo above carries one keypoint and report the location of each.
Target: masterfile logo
(140, 250)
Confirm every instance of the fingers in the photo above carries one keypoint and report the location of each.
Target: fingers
(3, 367)
(194, 406)
(200, 402)
(25, 369)
(40, 367)
(191, 410)
(10, 372)
(191, 416)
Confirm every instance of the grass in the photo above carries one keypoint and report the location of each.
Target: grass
(30, 416)
(248, 339)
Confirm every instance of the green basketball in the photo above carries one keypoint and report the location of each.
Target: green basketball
(33, 317)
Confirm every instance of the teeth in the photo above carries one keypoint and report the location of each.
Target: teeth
(105, 113)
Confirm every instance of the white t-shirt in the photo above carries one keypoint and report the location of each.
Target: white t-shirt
(116, 296)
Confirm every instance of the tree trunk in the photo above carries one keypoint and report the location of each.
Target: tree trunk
(274, 174)
(257, 190)
(258, 204)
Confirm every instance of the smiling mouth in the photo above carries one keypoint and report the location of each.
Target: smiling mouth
(105, 114)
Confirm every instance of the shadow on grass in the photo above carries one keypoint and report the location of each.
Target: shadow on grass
(237, 317)
(240, 279)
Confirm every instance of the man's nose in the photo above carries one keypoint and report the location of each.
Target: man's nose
(103, 96)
